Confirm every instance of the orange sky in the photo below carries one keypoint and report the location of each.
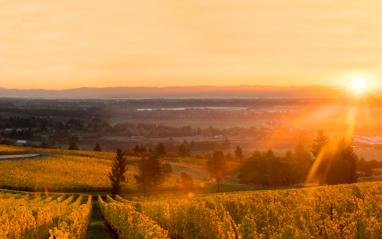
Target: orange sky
(55, 44)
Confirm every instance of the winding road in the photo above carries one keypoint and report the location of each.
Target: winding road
(21, 156)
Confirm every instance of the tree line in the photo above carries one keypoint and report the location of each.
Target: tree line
(329, 161)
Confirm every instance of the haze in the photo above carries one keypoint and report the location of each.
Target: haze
(70, 44)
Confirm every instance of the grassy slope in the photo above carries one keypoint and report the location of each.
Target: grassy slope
(65, 170)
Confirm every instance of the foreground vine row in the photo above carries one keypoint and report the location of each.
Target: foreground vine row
(40, 216)
(346, 211)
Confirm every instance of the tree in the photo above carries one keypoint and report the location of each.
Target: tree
(160, 150)
(150, 176)
(239, 153)
(226, 144)
(186, 181)
(347, 153)
(183, 151)
(217, 166)
(43, 145)
(166, 169)
(266, 169)
(117, 174)
(365, 168)
(73, 146)
(137, 149)
(301, 163)
(97, 148)
(229, 157)
(142, 149)
(338, 164)
(319, 143)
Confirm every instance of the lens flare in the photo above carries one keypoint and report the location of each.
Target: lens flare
(358, 83)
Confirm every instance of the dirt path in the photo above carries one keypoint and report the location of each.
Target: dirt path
(195, 173)
(21, 156)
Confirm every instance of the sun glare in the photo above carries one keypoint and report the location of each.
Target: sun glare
(358, 83)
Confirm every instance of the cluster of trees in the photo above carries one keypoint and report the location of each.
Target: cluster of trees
(333, 162)
(163, 131)
(26, 134)
(183, 151)
(365, 168)
(268, 169)
(152, 173)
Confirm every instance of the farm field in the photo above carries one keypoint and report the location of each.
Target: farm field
(67, 171)
(345, 211)
(36, 215)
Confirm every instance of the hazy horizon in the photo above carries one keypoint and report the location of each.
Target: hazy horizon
(241, 91)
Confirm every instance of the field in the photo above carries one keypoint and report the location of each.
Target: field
(66, 171)
(35, 215)
(346, 211)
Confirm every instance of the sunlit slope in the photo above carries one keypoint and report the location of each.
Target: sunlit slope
(55, 173)
(344, 211)
(64, 170)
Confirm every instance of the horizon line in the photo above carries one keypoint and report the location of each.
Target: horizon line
(175, 86)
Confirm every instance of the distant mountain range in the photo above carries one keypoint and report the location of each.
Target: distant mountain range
(180, 92)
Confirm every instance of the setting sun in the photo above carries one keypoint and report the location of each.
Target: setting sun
(358, 83)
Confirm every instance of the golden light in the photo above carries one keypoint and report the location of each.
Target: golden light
(358, 83)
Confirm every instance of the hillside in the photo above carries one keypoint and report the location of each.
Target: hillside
(243, 91)
(65, 170)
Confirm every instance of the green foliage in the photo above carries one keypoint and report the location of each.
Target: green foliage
(337, 164)
(116, 176)
(139, 150)
(150, 175)
(217, 167)
(160, 150)
(186, 181)
(97, 148)
(344, 211)
(239, 153)
(226, 144)
(319, 143)
(300, 163)
(267, 169)
(129, 223)
(166, 169)
(229, 156)
(73, 146)
(183, 151)
(365, 168)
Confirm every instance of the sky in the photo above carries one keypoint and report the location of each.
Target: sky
(52, 44)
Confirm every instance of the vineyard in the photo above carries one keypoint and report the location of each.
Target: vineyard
(63, 171)
(28, 215)
(346, 211)
(343, 211)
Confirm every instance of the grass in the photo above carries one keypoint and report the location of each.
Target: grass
(97, 226)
